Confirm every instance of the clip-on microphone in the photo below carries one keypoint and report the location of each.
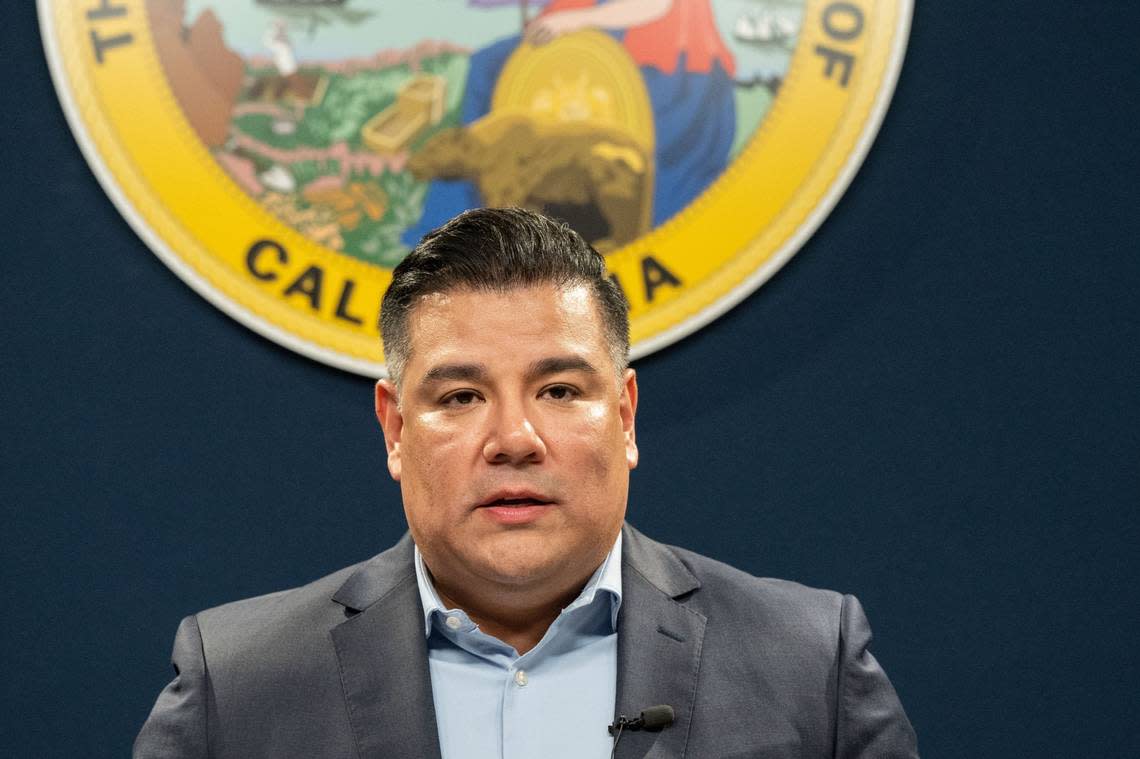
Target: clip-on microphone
(653, 718)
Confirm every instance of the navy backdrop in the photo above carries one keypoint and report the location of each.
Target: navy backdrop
(933, 406)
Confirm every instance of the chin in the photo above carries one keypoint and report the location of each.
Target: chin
(521, 562)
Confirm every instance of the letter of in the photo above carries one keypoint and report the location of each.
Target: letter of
(309, 285)
(655, 275)
(833, 56)
(255, 250)
(102, 44)
(342, 303)
(854, 28)
(106, 10)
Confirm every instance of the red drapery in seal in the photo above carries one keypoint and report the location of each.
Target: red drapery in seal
(687, 27)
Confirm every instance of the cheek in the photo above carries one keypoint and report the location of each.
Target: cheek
(431, 453)
(598, 421)
(434, 438)
(598, 438)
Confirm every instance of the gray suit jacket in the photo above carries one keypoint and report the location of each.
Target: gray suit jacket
(338, 668)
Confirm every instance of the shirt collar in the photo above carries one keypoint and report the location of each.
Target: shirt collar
(606, 577)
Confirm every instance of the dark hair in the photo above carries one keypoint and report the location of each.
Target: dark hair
(499, 249)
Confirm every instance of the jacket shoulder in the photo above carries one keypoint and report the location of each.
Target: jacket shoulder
(309, 609)
(730, 596)
(249, 616)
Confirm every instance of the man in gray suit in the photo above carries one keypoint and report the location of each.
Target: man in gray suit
(521, 616)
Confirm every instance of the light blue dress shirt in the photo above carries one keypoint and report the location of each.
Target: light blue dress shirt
(554, 702)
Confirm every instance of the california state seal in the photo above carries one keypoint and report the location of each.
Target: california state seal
(282, 156)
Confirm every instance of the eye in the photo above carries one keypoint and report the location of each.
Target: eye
(461, 398)
(559, 393)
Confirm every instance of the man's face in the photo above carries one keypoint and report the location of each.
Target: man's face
(513, 438)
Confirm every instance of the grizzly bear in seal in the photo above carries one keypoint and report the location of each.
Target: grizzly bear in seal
(565, 169)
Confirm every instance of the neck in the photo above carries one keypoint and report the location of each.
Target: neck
(519, 618)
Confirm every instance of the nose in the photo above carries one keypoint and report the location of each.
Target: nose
(513, 438)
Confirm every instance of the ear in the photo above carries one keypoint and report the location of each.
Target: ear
(627, 408)
(391, 421)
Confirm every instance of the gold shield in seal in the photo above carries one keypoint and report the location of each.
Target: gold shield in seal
(575, 120)
(587, 107)
(282, 156)
(583, 76)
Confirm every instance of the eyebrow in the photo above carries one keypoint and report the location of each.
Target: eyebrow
(478, 372)
(454, 372)
(557, 364)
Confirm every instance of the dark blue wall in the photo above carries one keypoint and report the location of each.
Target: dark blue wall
(933, 406)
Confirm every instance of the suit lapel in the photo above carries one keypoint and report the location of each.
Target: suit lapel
(659, 645)
(382, 654)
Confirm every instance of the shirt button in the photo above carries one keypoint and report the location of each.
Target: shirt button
(521, 679)
(453, 623)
